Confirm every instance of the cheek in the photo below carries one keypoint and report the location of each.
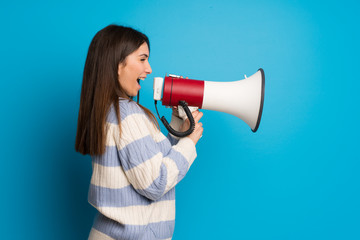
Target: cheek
(123, 80)
(125, 75)
(134, 69)
(129, 74)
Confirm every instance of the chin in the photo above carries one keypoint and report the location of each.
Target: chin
(133, 94)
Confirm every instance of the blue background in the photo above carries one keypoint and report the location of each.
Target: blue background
(296, 178)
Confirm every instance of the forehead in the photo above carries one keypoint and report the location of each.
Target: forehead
(143, 49)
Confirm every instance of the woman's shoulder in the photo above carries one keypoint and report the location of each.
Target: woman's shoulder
(127, 108)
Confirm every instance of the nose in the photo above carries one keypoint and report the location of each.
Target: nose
(148, 69)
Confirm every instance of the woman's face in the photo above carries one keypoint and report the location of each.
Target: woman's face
(135, 67)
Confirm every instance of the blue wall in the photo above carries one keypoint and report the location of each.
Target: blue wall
(296, 178)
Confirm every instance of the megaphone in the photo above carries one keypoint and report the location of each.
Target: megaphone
(243, 99)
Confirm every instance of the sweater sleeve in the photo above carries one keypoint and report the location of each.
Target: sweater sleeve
(152, 165)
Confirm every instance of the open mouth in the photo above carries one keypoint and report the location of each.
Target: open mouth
(140, 78)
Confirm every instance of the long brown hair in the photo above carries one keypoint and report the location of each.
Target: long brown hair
(101, 87)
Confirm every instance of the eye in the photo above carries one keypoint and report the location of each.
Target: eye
(143, 59)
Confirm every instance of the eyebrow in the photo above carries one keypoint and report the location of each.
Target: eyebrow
(144, 55)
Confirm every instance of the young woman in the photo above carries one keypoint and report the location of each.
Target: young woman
(135, 167)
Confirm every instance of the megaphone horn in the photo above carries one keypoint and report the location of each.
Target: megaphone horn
(243, 99)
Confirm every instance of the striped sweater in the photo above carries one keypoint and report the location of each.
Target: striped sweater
(132, 184)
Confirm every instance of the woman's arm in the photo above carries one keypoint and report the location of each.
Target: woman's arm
(152, 165)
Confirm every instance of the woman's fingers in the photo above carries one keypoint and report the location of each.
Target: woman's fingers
(197, 115)
(198, 130)
(197, 133)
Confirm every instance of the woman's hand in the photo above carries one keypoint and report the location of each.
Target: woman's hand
(198, 131)
(175, 111)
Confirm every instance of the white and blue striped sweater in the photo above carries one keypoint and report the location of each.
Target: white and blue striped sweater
(132, 184)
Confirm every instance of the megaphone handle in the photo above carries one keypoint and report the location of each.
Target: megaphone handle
(191, 119)
(182, 113)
